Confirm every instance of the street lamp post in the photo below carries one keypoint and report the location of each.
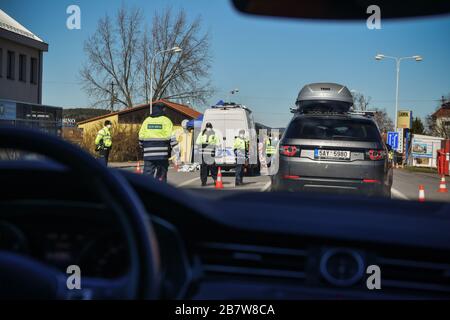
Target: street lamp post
(234, 91)
(397, 61)
(174, 49)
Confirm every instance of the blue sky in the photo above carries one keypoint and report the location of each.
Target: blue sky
(268, 59)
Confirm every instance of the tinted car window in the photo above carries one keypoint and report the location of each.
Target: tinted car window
(333, 129)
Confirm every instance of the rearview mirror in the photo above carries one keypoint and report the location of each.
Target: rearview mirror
(341, 10)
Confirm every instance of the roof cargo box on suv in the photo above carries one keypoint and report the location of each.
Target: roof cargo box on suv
(324, 97)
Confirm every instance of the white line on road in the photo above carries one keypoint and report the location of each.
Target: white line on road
(397, 194)
(188, 182)
(251, 186)
(266, 186)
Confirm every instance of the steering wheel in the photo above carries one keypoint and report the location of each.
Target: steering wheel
(24, 277)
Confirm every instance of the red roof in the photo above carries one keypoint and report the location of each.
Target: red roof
(443, 111)
(181, 108)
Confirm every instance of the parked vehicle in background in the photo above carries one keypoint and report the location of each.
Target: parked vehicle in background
(227, 120)
(327, 147)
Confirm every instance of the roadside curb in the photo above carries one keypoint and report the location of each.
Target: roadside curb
(123, 164)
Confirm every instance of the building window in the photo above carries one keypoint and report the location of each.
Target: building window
(33, 71)
(1, 62)
(11, 67)
(22, 67)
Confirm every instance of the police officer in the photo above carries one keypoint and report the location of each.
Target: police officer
(270, 150)
(103, 142)
(156, 140)
(391, 155)
(240, 147)
(207, 141)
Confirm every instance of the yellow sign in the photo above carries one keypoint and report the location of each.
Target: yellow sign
(404, 119)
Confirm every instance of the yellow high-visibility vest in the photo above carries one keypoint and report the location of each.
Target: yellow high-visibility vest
(104, 135)
(156, 127)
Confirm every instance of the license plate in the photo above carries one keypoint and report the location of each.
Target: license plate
(331, 154)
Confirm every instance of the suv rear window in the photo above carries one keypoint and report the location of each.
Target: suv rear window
(333, 129)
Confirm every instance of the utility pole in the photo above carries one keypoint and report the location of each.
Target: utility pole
(112, 96)
(146, 88)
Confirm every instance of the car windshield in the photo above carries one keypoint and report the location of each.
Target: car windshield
(238, 103)
(333, 129)
(195, 150)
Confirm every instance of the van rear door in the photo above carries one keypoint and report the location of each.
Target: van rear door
(234, 120)
(216, 118)
(227, 122)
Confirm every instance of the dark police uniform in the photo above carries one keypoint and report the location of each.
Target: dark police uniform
(240, 147)
(103, 144)
(156, 140)
(207, 142)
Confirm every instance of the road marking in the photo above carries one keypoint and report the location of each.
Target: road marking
(250, 186)
(266, 186)
(228, 184)
(397, 194)
(187, 182)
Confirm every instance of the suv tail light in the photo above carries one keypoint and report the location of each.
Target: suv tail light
(290, 177)
(371, 181)
(376, 154)
(289, 151)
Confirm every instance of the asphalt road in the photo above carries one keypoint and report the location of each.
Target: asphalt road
(405, 186)
(191, 181)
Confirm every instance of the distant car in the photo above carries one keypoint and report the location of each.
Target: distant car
(326, 147)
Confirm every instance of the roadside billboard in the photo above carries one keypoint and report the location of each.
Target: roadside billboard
(28, 115)
(69, 122)
(424, 150)
(421, 148)
(404, 119)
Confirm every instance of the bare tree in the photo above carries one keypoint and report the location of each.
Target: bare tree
(361, 102)
(175, 75)
(383, 120)
(121, 51)
(438, 127)
(112, 59)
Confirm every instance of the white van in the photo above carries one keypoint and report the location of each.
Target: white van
(227, 120)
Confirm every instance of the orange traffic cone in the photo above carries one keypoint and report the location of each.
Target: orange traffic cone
(442, 185)
(138, 168)
(421, 193)
(219, 184)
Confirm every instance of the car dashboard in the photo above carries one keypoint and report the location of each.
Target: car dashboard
(252, 246)
(83, 234)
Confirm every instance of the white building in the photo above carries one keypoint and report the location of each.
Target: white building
(21, 62)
